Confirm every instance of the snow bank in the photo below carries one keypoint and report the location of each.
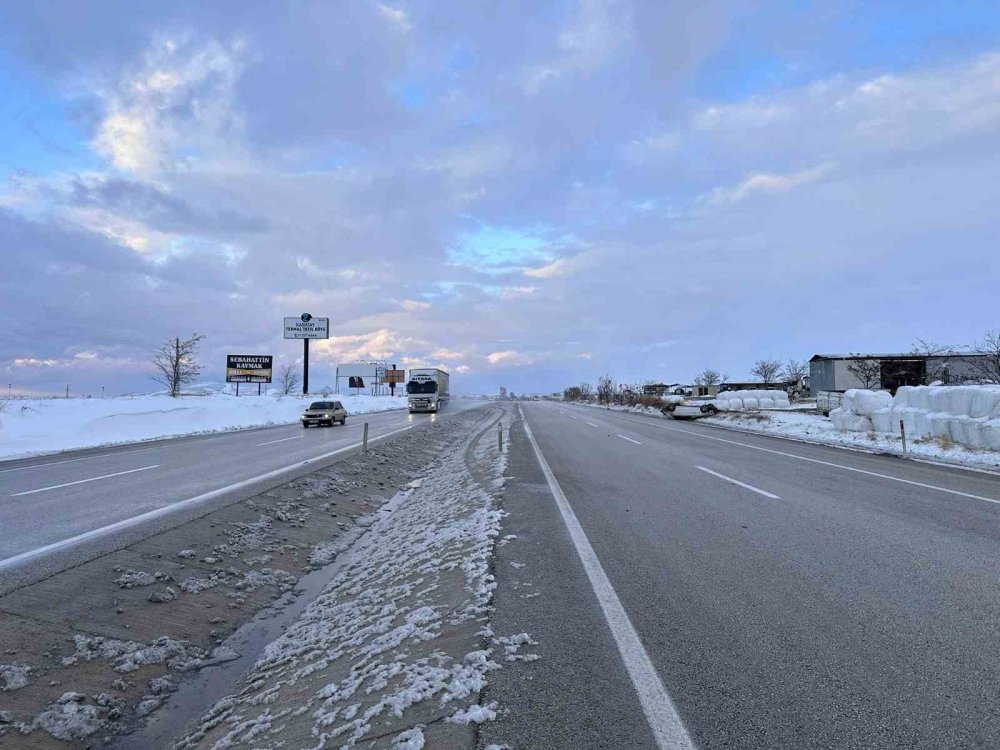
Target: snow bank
(33, 426)
(965, 414)
(755, 399)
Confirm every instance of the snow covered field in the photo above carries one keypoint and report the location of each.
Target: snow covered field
(35, 426)
(819, 429)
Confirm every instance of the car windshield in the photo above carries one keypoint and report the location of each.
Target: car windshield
(421, 386)
(322, 405)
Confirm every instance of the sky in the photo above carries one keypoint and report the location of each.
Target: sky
(527, 194)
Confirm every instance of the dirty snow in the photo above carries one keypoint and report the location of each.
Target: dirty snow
(365, 648)
(13, 676)
(36, 426)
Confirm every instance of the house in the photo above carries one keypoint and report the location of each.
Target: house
(704, 390)
(838, 372)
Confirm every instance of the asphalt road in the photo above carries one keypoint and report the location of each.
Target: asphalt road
(49, 501)
(787, 595)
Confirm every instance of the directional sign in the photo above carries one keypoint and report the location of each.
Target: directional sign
(303, 327)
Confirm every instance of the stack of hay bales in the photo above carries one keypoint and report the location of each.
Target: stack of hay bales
(756, 399)
(965, 414)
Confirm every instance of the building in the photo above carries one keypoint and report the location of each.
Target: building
(704, 390)
(655, 389)
(838, 372)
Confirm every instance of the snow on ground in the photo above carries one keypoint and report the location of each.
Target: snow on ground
(36, 426)
(399, 635)
(819, 429)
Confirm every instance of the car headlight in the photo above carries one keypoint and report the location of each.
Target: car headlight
(326, 416)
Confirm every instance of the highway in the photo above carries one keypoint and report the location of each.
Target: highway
(59, 504)
(782, 595)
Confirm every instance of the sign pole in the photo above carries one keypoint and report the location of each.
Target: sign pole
(305, 366)
(237, 388)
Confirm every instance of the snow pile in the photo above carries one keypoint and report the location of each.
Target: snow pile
(968, 415)
(393, 628)
(754, 399)
(32, 426)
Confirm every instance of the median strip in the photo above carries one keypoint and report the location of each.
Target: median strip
(84, 481)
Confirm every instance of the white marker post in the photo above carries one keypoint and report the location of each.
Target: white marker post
(902, 432)
(364, 440)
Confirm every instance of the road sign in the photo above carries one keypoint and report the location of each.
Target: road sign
(305, 326)
(248, 368)
(393, 376)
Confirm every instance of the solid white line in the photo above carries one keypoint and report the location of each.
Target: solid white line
(272, 442)
(592, 424)
(741, 484)
(661, 714)
(168, 509)
(84, 481)
(836, 466)
(73, 460)
(630, 439)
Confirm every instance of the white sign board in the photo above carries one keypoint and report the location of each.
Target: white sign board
(353, 369)
(314, 328)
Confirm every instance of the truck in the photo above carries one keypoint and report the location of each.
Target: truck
(427, 389)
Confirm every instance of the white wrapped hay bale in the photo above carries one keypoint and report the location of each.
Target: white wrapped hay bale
(846, 420)
(882, 420)
(991, 434)
(940, 425)
(751, 403)
(766, 403)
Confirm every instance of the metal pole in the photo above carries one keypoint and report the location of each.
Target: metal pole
(258, 389)
(237, 388)
(902, 432)
(500, 437)
(364, 440)
(305, 366)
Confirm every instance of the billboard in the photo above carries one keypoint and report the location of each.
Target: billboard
(248, 368)
(305, 326)
(393, 376)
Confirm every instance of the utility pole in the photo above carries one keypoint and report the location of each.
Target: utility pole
(67, 391)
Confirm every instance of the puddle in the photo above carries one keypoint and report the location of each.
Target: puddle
(200, 690)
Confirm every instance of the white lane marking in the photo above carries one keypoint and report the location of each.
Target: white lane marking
(272, 442)
(736, 481)
(573, 417)
(84, 481)
(74, 460)
(592, 424)
(836, 466)
(168, 509)
(629, 439)
(661, 714)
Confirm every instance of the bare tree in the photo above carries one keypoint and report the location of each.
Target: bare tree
(708, 377)
(794, 371)
(289, 378)
(175, 363)
(986, 367)
(586, 391)
(605, 389)
(868, 371)
(572, 393)
(936, 370)
(766, 369)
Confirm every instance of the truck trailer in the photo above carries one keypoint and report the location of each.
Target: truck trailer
(427, 389)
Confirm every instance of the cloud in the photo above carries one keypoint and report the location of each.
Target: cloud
(769, 183)
(510, 358)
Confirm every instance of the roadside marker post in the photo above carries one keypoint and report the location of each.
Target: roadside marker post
(902, 432)
(364, 440)
(500, 437)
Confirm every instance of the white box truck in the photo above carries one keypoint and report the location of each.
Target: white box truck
(427, 389)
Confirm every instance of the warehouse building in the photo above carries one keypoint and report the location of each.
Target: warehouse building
(838, 372)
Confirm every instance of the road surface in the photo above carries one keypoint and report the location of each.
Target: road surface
(63, 503)
(785, 595)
